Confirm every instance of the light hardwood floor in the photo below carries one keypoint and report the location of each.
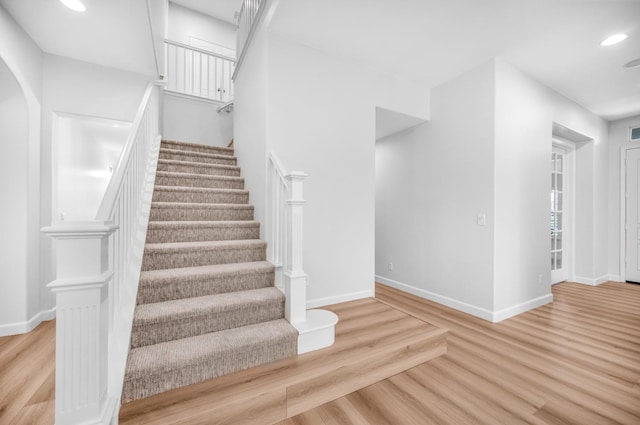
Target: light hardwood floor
(576, 361)
(27, 365)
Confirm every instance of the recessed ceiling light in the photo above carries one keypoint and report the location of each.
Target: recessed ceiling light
(74, 5)
(614, 39)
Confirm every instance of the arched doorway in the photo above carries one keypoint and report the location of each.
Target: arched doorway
(14, 195)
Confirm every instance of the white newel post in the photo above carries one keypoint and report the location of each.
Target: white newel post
(295, 280)
(82, 281)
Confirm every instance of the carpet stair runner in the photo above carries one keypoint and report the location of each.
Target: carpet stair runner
(207, 305)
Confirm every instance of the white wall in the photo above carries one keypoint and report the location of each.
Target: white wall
(23, 60)
(487, 151)
(85, 152)
(75, 87)
(317, 113)
(184, 24)
(618, 139)
(195, 120)
(14, 133)
(525, 111)
(431, 183)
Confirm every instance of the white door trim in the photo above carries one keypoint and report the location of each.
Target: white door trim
(623, 210)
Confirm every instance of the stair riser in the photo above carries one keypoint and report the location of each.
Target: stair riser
(201, 257)
(199, 182)
(214, 366)
(196, 234)
(150, 291)
(200, 197)
(195, 169)
(201, 214)
(147, 334)
(217, 150)
(194, 157)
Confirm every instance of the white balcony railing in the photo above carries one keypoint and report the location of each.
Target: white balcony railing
(197, 72)
(247, 17)
(97, 271)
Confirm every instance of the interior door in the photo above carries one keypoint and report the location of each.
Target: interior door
(632, 225)
(559, 199)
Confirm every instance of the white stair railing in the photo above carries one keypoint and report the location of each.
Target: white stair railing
(97, 271)
(285, 203)
(197, 72)
(246, 19)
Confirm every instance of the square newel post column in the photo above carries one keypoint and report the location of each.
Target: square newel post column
(82, 323)
(295, 280)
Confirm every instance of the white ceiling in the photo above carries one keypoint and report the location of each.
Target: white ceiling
(113, 33)
(221, 9)
(432, 41)
(428, 41)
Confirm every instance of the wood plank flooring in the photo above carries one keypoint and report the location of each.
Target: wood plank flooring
(575, 361)
(27, 369)
(373, 342)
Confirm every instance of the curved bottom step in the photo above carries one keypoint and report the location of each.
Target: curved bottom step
(317, 332)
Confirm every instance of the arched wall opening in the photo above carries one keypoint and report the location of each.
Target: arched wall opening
(14, 192)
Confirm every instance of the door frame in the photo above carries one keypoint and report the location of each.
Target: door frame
(569, 215)
(623, 210)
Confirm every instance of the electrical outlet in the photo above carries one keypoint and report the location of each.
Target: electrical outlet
(482, 219)
(390, 266)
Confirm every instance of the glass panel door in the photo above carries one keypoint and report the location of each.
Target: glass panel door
(558, 216)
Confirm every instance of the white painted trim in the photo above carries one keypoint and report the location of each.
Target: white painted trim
(591, 281)
(29, 325)
(440, 299)
(321, 302)
(623, 209)
(492, 316)
(505, 313)
(615, 278)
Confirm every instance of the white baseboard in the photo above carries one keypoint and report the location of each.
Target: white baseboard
(591, 281)
(505, 313)
(440, 299)
(492, 316)
(615, 278)
(29, 325)
(321, 302)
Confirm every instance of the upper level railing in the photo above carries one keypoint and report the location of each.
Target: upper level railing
(97, 272)
(197, 72)
(246, 18)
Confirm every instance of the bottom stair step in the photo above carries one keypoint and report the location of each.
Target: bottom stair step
(162, 367)
(175, 319)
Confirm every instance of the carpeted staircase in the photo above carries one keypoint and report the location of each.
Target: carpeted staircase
(207, 305)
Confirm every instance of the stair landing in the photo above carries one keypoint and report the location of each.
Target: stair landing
(373, 342)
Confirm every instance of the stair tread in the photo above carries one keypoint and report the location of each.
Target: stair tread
(183, 353)
(198, 176)
(202, 224)
(196, 164)
(196, 153)
(199, 189)
(178, 246)
(196, 145)
(166, 311)
(182, 205)
(171, 275)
